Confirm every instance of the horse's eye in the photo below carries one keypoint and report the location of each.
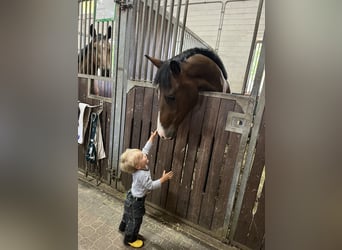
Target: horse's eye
(170, 98)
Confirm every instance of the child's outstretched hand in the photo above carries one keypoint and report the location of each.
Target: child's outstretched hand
(166, 176)
(153, 135)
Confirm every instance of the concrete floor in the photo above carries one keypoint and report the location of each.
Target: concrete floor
(99, 215)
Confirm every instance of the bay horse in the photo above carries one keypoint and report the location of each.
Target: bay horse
(96, 54)
(180, 79)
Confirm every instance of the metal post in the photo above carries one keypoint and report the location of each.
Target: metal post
(143, 38)
(123, 33)
(149, 37)
(256, 28)
(184, 25)
(169, 27)
(175, 29)
(156, 16)
(249, 162)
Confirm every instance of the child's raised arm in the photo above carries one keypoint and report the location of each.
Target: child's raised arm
(149, 143)
(153, 135)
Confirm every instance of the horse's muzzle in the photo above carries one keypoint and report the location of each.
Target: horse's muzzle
(166, 135)
(167, 138)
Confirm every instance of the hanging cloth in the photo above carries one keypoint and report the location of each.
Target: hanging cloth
(91, 155)
(95, 150)
(83, 119)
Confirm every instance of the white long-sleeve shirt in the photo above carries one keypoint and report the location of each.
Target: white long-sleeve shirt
(142, 181)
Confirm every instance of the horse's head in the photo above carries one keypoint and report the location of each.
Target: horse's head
(179, 81)
(101, 47)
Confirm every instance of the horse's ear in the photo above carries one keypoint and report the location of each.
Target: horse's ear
(156, 62)
(91, 30)
(109, 32)
(175, 67)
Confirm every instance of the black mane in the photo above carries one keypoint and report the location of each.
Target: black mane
(163, 74)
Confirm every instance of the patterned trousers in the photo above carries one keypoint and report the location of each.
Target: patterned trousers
(134, 211)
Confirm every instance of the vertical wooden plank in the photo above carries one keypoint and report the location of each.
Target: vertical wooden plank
(227, 174)
(146, 116)
(202, 164)
(153, 151)
(167, 167)
(181, 145)
(129, 118)
(82, 89)
(126, 178)
(104, 162)
(107, 119)
(251, 227)
(188, 168)
(164, 158)
(81, 164)
(216, 163)
(137, 117)
(82, 94)
(105, 122)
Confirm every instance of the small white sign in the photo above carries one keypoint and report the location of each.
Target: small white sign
(105, 10)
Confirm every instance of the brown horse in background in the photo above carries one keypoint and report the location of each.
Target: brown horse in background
(180, 79)
(95, 57)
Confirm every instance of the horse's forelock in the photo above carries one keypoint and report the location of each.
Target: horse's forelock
(163, 76)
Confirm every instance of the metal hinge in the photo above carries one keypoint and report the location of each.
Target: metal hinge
(238, 122)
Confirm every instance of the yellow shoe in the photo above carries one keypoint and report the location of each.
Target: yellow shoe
(136, 244)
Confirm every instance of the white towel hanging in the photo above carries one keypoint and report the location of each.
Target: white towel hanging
(83, 119)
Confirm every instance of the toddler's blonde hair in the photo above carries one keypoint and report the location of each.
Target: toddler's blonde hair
(129, 159)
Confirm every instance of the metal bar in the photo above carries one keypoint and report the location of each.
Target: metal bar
(80, 12)
(106, 51)
(85, 37)
(137, 28)
(125, 25)
(162, 31)
(149, 38)
(92, 53)
(156, 16)
(112, 149)
(101, 49)
(255, 33)
(94, 77)
(237, 170)
(249, 162)
(260, 70)
(109, 53)
(175, 29)
(91, 49)
(88, 17)
(184, 26)
(223, 9)
(96, 50)
(84, 34)
(168, 32)
(143, 38)
(111, 50)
